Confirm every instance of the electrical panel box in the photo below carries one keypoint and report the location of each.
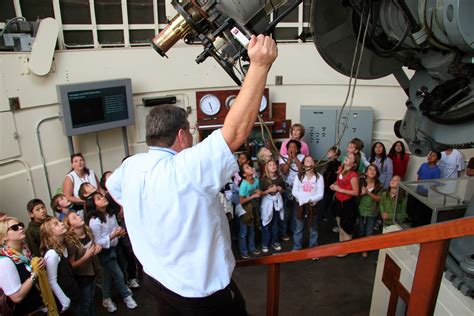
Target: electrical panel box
(320, 123)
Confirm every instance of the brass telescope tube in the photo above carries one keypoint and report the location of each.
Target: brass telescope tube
(173, 32)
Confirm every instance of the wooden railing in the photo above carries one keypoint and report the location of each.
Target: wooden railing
(433, 240)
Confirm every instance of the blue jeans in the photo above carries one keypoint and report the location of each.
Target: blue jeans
(86, 304)
(366, 225)
(289, 204)
(246, 232)
(270, 231)
(111, 269)
(298, 234)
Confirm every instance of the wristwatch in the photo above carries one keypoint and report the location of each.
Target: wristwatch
(34, 277)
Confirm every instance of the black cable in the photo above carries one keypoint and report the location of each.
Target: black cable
(18, 18)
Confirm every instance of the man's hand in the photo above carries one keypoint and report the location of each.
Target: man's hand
(262, 51)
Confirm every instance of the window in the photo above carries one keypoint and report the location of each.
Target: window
(7, 11)
(109, 23)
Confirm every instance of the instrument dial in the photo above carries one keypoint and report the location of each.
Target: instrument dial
(263, 104)
(210, 104)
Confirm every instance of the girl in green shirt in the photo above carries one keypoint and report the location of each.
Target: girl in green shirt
(368, 205)
(388, 205)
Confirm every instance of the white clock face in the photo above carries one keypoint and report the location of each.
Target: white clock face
(263, 104)
(230, 101)
(210, 104)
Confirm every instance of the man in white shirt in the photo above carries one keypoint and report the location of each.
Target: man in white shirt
(451, 163)
(176, 224)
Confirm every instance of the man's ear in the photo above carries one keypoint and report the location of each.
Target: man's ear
(181, 135)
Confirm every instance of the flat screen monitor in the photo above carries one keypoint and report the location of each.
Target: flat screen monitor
(96, 106)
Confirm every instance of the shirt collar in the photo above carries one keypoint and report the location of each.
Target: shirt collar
(154, 149)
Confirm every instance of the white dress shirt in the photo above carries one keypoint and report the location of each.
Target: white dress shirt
(177, 226)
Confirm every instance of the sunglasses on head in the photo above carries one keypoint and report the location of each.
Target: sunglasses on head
(16, 227)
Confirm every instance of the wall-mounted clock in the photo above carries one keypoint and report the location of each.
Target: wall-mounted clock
(210, 104)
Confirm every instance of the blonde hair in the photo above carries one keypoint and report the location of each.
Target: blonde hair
(266, 171)
(48, 239)
(71, 238)
(261, 157)
(4, 227)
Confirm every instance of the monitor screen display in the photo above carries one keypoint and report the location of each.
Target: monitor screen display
(95, 106)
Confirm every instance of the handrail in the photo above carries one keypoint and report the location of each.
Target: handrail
(440, 231)
(433, 240)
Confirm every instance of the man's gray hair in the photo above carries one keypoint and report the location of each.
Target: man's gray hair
(163, 124)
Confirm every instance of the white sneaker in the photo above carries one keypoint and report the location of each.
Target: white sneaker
(264, 249)
(109, 305)
(133, 284)
(277, 247)
(335, 229)
(131, 304)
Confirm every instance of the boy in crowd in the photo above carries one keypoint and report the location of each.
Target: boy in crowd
(430, 170)
(61, 205)
(355, 147)
(451, 163)
(38, 214)
(420, 213)
(329, 176)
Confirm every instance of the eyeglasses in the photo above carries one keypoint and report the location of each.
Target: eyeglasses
(16, 227)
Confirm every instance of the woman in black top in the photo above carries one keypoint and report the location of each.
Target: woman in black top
(16, 277)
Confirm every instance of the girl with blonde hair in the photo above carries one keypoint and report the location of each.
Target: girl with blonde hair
(82, 256)
(60, 275)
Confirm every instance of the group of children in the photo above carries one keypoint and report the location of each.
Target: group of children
(352, 192)
(88, 236)
(80, 246)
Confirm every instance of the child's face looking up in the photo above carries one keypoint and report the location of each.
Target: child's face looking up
(248, 170)
(63, 202)
(351, 148)
(242, 159)
(272, 166)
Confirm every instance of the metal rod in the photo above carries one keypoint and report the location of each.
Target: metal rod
(99, 151)
(42, 153)
(403, 80)
(271, 26)
(125, 141)
(27, 168)
(70, 145)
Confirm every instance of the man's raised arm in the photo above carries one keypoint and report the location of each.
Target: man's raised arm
(240, 120)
